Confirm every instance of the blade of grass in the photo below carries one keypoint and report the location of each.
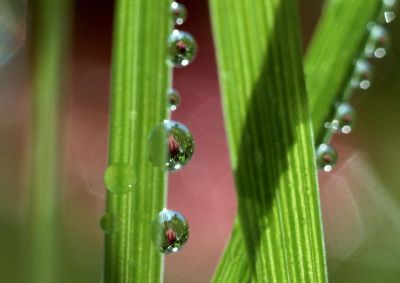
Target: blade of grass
(49, 36)
(320, 68)
(234, 266)
(338, 41)
(270, 140)
(140, 78)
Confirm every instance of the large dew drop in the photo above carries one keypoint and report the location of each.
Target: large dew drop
(182, 48)
(378, 43)
(343, 121)
(173, 99)
(179, 13)
(363, 75)
(171, 145)
(120, 178)
(171, 231)
(326, 157)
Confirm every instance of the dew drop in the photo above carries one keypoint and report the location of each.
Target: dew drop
(182, 48)
(326, 157)
(179, 13)
(378, 43)
(171, 231)
(177, 141)
(343, 121)
(389, 16)
(389, 9)
(107, 223)
(173, 99)
(120, 178)
(363, 75)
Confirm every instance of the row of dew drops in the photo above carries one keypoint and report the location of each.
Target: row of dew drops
(170, 229)
(377, 46)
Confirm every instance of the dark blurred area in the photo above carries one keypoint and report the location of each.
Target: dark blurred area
(361, 199)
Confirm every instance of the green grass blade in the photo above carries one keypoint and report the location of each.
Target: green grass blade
(234, 266)
(321, 69)
(50, 31)
(270, 140)
(140, 79)
(338, 41)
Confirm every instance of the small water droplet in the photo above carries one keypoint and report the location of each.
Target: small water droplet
(389, 9)
(171, 231)
(343, 121)
(120, 178)
(389, 16)
(378, 43)
(182, 48)
(178, 142)
(179, 13)
(326, 157)
(107, 223)
(363, 75)
(173, 99)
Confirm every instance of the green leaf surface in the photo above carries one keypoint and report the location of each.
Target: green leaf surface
(270, 140)
(324, 83)
(140, 79)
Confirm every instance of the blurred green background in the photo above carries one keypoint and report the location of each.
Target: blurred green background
(361, 198)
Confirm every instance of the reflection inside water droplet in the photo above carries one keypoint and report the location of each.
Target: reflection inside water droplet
(326, 157)
(171, 145)
(120, 178)
(179, 13)
(182, 48)
(174, 99)
(171, 231)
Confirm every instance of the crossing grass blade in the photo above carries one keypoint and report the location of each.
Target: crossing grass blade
(339, 39)
(270, 140)
(340, 35)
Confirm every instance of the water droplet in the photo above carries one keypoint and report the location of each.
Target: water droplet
(178, 142)
(326, 157)
(389, 16)
(363, 75)
(378, 43)
(182, 48)
(120, 178)
(343, 121)
(389, 9)
(107, 223)
(12, 29)
(179, 13)
(173, 99)
(171, 231)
